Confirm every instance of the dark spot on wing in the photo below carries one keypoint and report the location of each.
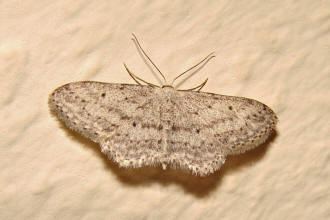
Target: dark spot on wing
(103, 95)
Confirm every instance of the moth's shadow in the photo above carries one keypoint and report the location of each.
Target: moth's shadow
(195, 185)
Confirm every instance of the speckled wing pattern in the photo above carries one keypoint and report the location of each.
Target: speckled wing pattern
(140, 125)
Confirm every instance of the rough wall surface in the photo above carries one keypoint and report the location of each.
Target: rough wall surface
(277, 52)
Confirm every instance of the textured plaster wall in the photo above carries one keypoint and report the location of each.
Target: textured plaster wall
(277, 52)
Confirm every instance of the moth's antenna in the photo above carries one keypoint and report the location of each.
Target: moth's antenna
(207, 58)
(135, 78)
(199, 87)
(202, 85)
(144, 53)
(131, 74)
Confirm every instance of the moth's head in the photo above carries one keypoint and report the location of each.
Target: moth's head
(167, 86)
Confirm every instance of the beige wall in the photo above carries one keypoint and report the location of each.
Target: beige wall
(277, 52)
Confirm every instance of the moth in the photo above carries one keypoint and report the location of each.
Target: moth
(144, 124)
